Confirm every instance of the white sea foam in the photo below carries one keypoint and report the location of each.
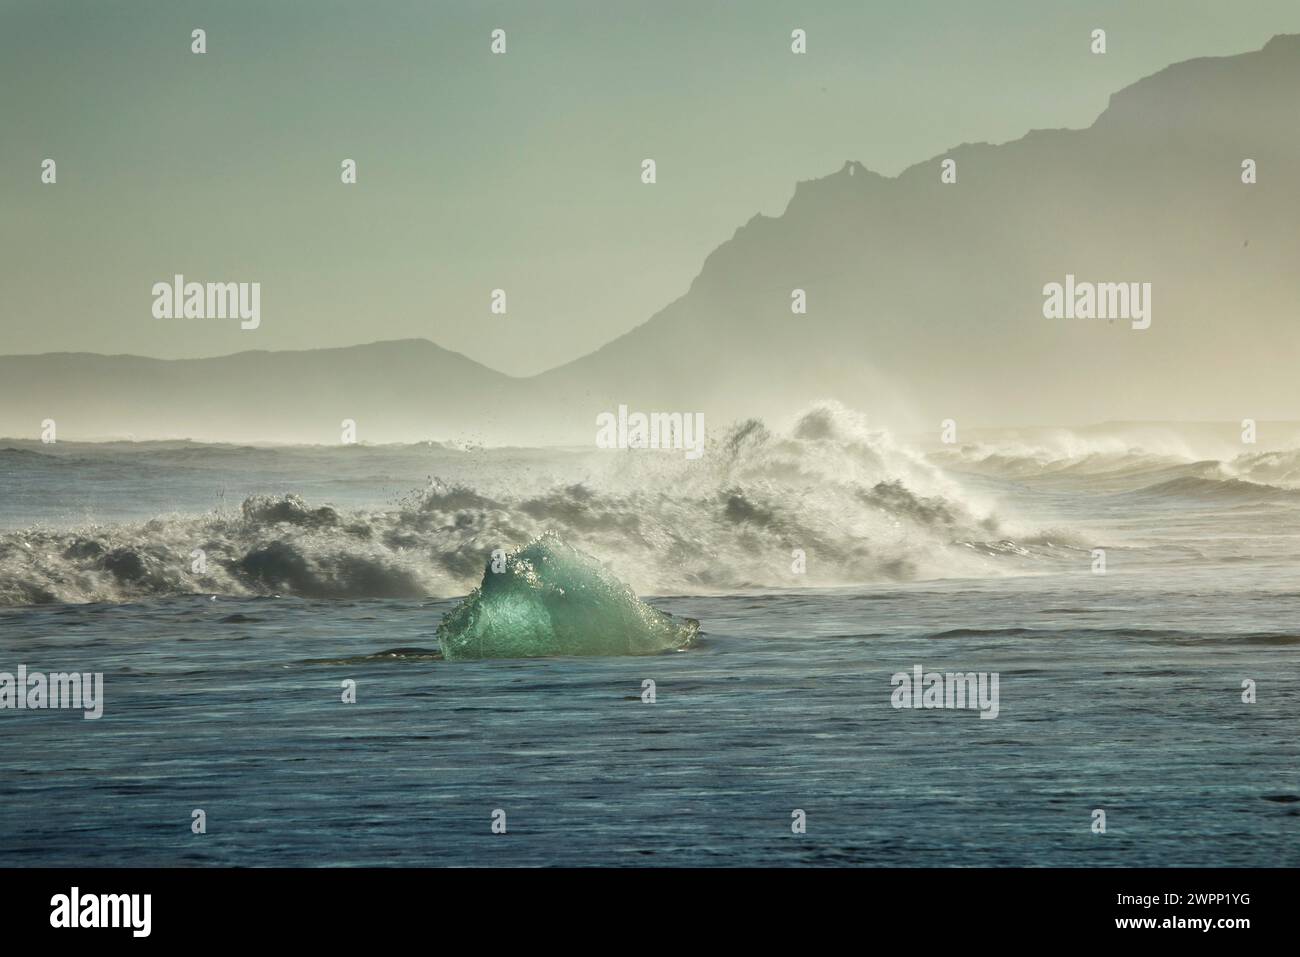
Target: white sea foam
(860, 508)
(828, 501)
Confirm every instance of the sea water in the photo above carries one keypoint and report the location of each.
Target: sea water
(1162, 688)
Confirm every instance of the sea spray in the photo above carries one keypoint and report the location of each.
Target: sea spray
(859, 507)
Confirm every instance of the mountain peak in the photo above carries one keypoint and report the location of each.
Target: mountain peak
(1283, 42)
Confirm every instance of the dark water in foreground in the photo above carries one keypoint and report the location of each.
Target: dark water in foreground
(1121, 695)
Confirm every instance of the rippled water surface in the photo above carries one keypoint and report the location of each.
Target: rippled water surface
(1120, 691)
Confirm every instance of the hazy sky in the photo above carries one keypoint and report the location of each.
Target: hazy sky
(477, 171)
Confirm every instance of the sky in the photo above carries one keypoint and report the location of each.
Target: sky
(476, 171)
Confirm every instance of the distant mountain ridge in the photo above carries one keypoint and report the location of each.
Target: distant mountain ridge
(398, 390)
(924, 301)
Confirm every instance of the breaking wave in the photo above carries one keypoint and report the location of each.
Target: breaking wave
(1110, 464)
(855, 505)
(1227, 491)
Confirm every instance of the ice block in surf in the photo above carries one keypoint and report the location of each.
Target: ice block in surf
(551, 599)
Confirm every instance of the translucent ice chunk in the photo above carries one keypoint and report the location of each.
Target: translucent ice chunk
(551, 599)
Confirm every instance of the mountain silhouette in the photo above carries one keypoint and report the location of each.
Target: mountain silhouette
(924, 301)
(400, 390)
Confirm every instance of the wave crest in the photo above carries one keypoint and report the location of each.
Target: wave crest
(859, 507)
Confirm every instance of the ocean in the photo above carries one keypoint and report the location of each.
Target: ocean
(1138, 604)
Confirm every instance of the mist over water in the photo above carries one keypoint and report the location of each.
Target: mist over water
(332, 564)
(352, 654)
(860, 505)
